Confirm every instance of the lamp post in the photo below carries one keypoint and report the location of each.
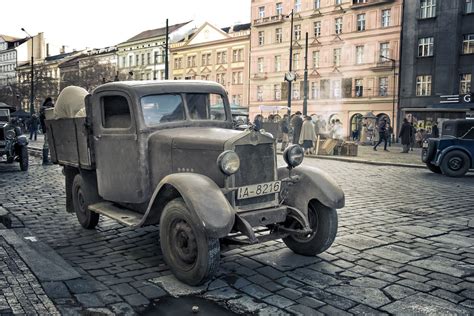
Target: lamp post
(32, 94)
(393, 61)
(289, 75)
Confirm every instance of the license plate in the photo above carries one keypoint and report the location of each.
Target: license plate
(254, 190)
(425, 145)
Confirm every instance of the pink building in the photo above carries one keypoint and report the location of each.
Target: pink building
(347, 75)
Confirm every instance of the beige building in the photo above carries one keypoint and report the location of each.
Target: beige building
(215, 54)
(347, 77)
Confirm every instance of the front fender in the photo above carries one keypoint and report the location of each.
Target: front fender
(203, 197)
(443, 153)
(313, 184)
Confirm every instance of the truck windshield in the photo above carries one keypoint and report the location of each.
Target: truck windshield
(4, 115)
(200, 105)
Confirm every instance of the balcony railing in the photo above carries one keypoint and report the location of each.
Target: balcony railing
(367, 3)
(259, 76)
(268, 20)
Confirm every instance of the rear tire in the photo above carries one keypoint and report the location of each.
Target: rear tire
(455, 164)
(323, 221)
(83, 196)
(24, 158)
(192, 256)
(433, 168)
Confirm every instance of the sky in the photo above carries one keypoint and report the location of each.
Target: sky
(101, 23)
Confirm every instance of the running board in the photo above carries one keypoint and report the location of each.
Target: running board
(121, 215)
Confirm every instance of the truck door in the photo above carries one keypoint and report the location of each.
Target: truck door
(116, 148)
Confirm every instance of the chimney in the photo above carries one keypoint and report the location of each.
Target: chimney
(47, 49)
(63, 49)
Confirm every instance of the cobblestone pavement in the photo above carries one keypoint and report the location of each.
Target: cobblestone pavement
(404, 245)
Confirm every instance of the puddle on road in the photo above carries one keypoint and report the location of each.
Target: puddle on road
(170, 306)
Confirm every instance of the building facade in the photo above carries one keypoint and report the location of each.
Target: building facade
(220, 55)
(142, 57)
(437, 65)
(353, 56)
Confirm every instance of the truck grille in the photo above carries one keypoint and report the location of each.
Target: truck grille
(257, 165)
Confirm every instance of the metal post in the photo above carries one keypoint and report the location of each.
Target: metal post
(32, 95)
(393, 104)
(305, 99)
(290, 66)
(166, 51)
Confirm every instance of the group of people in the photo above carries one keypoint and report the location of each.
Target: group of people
(409, 136)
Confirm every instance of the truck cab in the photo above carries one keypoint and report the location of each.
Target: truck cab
(145, 153)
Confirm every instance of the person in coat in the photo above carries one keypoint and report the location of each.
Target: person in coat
(296, 123)
(382, 135)
(47, 104)
(257, 122)
(405, 135)
(284, 132)
(33, 127)
(307, 135)
(435, 131)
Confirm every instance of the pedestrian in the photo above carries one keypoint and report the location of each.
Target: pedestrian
(296, 124)
(412, 135)
(435, 131)
(257, 122)
(404, 135)
(284, 132)
(419, 137)
(47, 104)
(389, 132)
(382, 129)
(33, 127)
(307, 136)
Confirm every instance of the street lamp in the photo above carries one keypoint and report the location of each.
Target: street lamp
(32, 96)
(393, 100)
(290, 76)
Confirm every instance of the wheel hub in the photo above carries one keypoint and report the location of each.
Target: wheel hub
(455, 163)
(183, 242)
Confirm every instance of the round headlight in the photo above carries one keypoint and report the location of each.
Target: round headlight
(228, 162)
(10, 134)
(293, 155)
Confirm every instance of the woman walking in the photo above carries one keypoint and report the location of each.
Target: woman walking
(307, 136)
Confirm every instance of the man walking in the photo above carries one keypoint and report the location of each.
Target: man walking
(382, 135)
(405, 135)
(284, 132)
(48, 103)
(296, 123)
(33, 127)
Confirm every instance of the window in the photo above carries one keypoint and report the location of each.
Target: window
(386, 18)
(425, 47)
(200, 105)
(277, 92)
(295, 90)
(423, 85)
(222, 57)
(261, 38)
(384, 51)
(383, 86)
(206, 59)
(337, 57)
(359, 88)
(336, 88)
(316, 59)
(130, 61)
(317, 4)
(278, 63)
(177, 63)
(359, 55)
(297, 32)
(465, 84)
(261, 12)
(260, 65)
(116, 112)
(124, 61)
(148, 58)
(237, 77)
(191, 61)
(220, 78)
(236, 99)
(259, 93)
(278, 35)
(205, 77)
(338, 25)
(427, 9)
(162, 108)
(279, 8)
(469, 6)
(468, 44)
(137, 60)
(338, 2)
(361, 22)
(237, 55)
(317, 29)
(297, 5)
(314, 90)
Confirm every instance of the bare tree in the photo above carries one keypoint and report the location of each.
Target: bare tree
(90, 74)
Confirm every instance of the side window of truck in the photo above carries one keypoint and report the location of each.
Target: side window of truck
(115, 112)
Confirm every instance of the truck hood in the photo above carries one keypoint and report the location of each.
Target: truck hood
(208, 138)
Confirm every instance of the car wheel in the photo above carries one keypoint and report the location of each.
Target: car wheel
(23, 158)
(433, 168)
(83, 196)
(192, 256)
(455, 164)
(323, 223)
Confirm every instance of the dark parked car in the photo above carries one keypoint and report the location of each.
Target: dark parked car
(13, 145)
(147, 153)
(451, 154)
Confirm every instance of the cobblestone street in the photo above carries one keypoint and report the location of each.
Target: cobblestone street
(404, 245)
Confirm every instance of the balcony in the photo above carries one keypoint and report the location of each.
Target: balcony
(268, 20)
(369, 3)
(259, 76)
(382, 66)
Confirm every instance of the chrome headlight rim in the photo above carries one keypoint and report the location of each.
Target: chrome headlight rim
(10, 134)
(293, 155)
(228, 162)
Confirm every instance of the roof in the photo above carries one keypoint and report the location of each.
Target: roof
(60, 56)
(156, 32)
(8, 38)
(237, 27)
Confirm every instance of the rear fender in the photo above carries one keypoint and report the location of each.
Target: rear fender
(202, 196)
(451, 148)
(313, 184)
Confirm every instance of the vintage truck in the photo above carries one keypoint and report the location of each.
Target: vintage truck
(151, 152)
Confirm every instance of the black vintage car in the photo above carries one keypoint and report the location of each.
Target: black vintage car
(145, 153)
(452, 154)
(13, 145)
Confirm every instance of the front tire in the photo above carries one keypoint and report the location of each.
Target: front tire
(192, 256)
(83, 196)
(433, 168)
(23, 158)
(323, 222)
(455, 164)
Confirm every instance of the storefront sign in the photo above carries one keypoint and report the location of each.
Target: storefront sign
(457, 98)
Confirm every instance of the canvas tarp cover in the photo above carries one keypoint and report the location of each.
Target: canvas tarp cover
(70, 103)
